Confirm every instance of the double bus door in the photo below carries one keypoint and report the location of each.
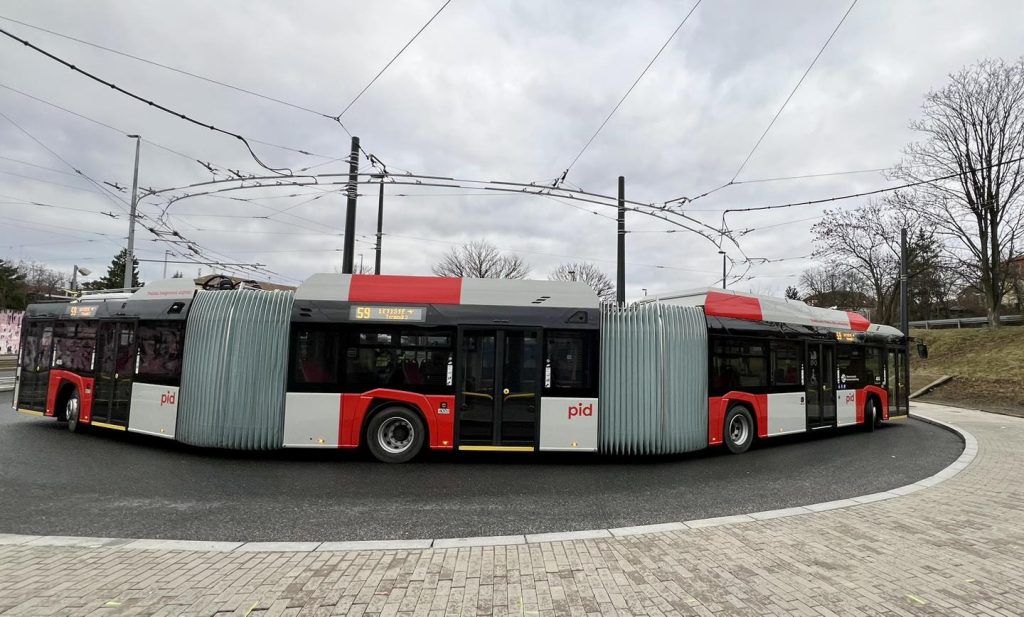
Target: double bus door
(896, 382)
(114, 371)
(500, 376)
(820, 380)
(34, 365)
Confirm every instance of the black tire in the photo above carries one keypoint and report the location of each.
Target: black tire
(72, 412)
(871, 414)
(395, 435)
(739, 429)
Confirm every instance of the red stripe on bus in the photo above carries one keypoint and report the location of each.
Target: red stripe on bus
(407, 289)
(857, 322)
(728, 305)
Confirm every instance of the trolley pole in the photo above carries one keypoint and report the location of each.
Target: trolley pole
(129, 262)
(380, 225)
(620, 286)
(350, 209)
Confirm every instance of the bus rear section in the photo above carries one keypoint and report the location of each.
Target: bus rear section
(779, 367)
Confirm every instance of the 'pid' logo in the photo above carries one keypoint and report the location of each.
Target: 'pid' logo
(168, 398)
(580, 410)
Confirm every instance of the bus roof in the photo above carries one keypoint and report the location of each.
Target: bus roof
(441, 290)
(739, 305)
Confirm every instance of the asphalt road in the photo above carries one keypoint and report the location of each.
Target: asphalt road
(124, 485)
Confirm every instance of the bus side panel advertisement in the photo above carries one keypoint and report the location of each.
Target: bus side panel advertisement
(568, 424)
(154, 410)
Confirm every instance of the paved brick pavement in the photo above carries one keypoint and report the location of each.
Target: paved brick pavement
(956, 548)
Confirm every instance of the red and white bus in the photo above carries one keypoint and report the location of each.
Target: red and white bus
(400, 363)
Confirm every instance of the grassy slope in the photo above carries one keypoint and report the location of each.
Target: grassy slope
(987, 366)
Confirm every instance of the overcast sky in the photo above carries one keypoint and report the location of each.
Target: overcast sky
(490, 90)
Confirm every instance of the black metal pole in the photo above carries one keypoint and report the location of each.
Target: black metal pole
(350, 209)
(380, 225)
(904, 292)
(722, 253)
(620, 288)
(904, 391)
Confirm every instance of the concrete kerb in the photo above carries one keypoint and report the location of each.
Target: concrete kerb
(965, 459)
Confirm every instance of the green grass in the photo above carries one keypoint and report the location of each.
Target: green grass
(987, 366)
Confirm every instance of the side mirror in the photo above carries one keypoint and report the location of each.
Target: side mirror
(922, 350)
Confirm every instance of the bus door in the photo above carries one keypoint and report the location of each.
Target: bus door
(895, 373)
(499, 389)
(820, 381)
(34, 365)
(115, 369)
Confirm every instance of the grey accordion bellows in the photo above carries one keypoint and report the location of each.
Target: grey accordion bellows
(234, 376)
(654, 379)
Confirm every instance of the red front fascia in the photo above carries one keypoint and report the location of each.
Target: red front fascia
(440, 426)
(719, 405)
(405, 289)
(727, 305)
(84, 386)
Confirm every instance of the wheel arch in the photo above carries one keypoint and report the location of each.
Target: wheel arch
(379, 404)
(64, 390)
(734, 403)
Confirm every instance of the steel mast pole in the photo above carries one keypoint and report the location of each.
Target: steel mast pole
(350, 209)
(620, 283)
(380, 225)
(129, 262)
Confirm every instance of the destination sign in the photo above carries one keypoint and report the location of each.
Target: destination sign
(81, 311)
(388, 313)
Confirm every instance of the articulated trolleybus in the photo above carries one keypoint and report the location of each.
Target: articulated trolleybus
(402, 363)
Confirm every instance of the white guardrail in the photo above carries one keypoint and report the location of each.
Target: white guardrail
(964, 322)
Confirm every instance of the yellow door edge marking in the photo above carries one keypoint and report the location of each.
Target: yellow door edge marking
(903, 417)
(497, 448)
(31, 412)
(111, 426)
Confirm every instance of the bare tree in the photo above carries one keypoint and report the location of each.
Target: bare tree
(43, 281)
(828, 287)
(589, 274)
(865, 242)
(973, 129)
(481, 259)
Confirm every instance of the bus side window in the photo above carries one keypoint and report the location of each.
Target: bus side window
(161, 344)
(314, 357)
(569, 365)
(786, 363)
(73, 345)
(873, 363)
(850, 362)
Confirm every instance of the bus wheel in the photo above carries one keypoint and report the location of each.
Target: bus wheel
(739, 429)
(871, 414)
(395, 435)
(72, 410)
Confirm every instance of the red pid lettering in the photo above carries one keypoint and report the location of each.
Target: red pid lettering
(167, 398)
(580, 410)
